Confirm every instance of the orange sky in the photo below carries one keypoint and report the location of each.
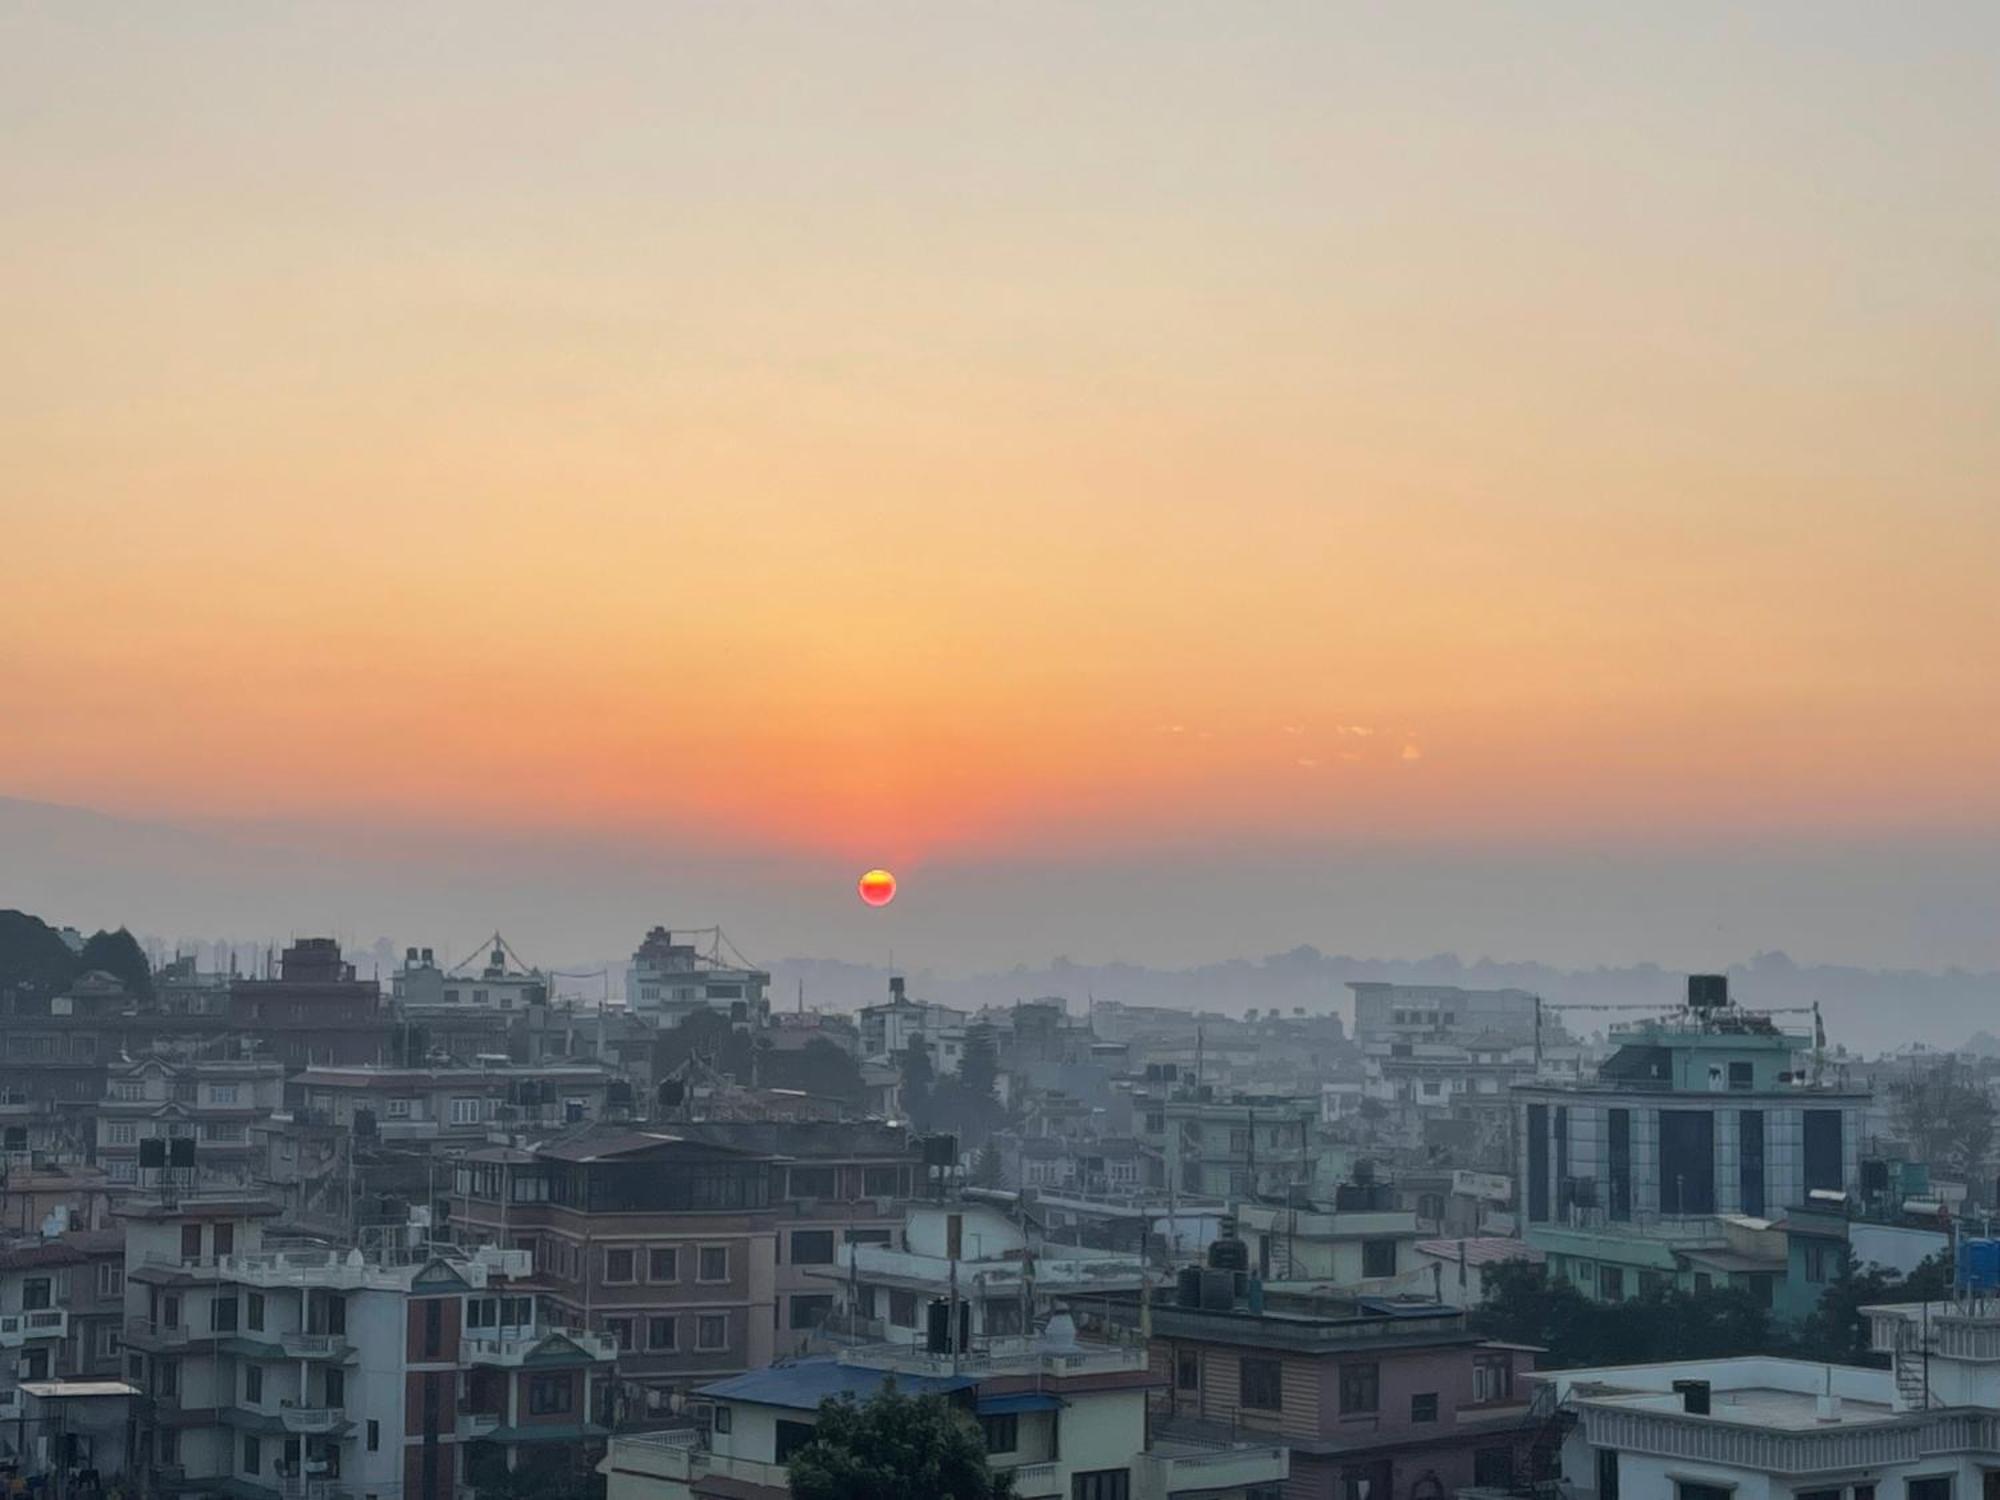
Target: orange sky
(949, 431)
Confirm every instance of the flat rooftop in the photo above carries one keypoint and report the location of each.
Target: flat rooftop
(1755, 1406)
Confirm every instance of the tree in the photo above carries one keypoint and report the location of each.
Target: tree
(1837, 1333)
(118, 954)
(1945, 1114)
(895, 1447)
(987, 1171)
(979, 1065)
(1524, 1306)
(917, 1082)
(33, 957)
(819, 1067)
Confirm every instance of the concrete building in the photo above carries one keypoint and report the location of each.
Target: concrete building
(892, 1028)
(1062, 1418)
(453, 1104)
(217, 1104)
(1440, 1013)
(670, 981)
(1228, 1147)
(1762, 1428)
(1698, 1132)
(1366, 1245)
(317, 1375)
(1372, 1396)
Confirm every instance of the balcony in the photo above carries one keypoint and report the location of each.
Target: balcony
(296, 1486)
(1035, 1480)
(312, 1419)
(1172, 1468)
(477, 1424)
(513, 1348)
(151, 1333)
(313, 1345)
(676, 1456)
(44, 1323)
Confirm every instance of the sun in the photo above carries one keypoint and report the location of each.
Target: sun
(877, 887)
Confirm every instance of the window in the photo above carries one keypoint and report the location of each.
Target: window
(662, 1333)
(620, 1332)
(1003, 1434)
(811, 1311)
(1360, 1388)
(711, 1331)
(1494, 1466)
(1926, 1487)
(37, 1292)
(336, 1388)
(190, 1242)
(253, 1384)
(550, 1395)
(620, 1265)
(222, 1315)
(791, 1436)
(1492, 1377)
(123, 1133)
(882, 1182)
(1687, 1490)
(870, 1236)
(1607, 1474)
(812, 1247)
(253, 1311)
(224, 1240)
(222, 1093)
(374, 1435)
(1836, 1493)
(1611, 1283)
(108, 1343)
(1424, 1407)
(170, 1310)
(1822, 1262)
(465, 1111)
(128, 1093)
(253, 1455)
(662, 1265)
(713, 1264)
(1742, 1076)
(396, 1109)
(1261, 1384)
(1187, 1370)
(1378, 1257)
(724, 1419)
(902, 1309)
(1102, 1484)
(810, 1182)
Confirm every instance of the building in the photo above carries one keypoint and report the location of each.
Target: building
(316, 1374)
(892, 1028)
(315, 1012)
(1763, 1428)
(990, 1259)
(1441, 1013)
(1362, 1242)
(455, 1104)
(215, 1104)
(1458, 1267)
(1696, 1131)
(1372, 1396)
(62, 1310)
(1229, 1147)
(1063, 1418)
(670, 981)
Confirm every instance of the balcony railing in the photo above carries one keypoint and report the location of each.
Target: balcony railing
(308, 1419)
(167, 1335)
(43, 1323)
(1033, 1480)
(1172, 1468)
(313, 1345)
(513, 1347)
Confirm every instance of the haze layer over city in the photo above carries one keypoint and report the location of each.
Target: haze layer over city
(677, 679)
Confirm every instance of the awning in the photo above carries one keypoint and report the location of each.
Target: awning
(1008, 1406)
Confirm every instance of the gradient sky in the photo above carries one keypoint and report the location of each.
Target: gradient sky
(924, 434)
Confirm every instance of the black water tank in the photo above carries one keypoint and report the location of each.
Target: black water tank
(1694, 1396)
(1228, 1253)
(1187, 1290)
(1708, 991)
(937, 1327)
(1218, 1290)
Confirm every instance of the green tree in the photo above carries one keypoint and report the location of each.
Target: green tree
(1525, 1306)
(33, 957)
(119, 955)
(918, 1080)
(979, 1064)
(1836, 1332)
(895, 1447)
(819, 1067)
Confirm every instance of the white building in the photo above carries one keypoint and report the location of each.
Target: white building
(670, 981)
(1762, 1428)
(1065, 1419)
(501, 983)
(1440, 1012)
(892, 1028)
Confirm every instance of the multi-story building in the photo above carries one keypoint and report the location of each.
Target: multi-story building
(451, 1104)
(1440, 1013)
(1765, 1428)
(701, 1250)
(892, 1028)
(314, 1012)
(1373, 1397)
(670, 981)
(1229, 1147)
(1715, 1114)
(316, 1375)
(1061, 1418)
(217, 1104)
(62, 1304)
(1361, 1243)
(989, 1259)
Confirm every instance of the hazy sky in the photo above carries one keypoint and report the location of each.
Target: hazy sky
(948, 434)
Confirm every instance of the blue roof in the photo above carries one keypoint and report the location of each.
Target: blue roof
(1007, 1406)
(807, 1382)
